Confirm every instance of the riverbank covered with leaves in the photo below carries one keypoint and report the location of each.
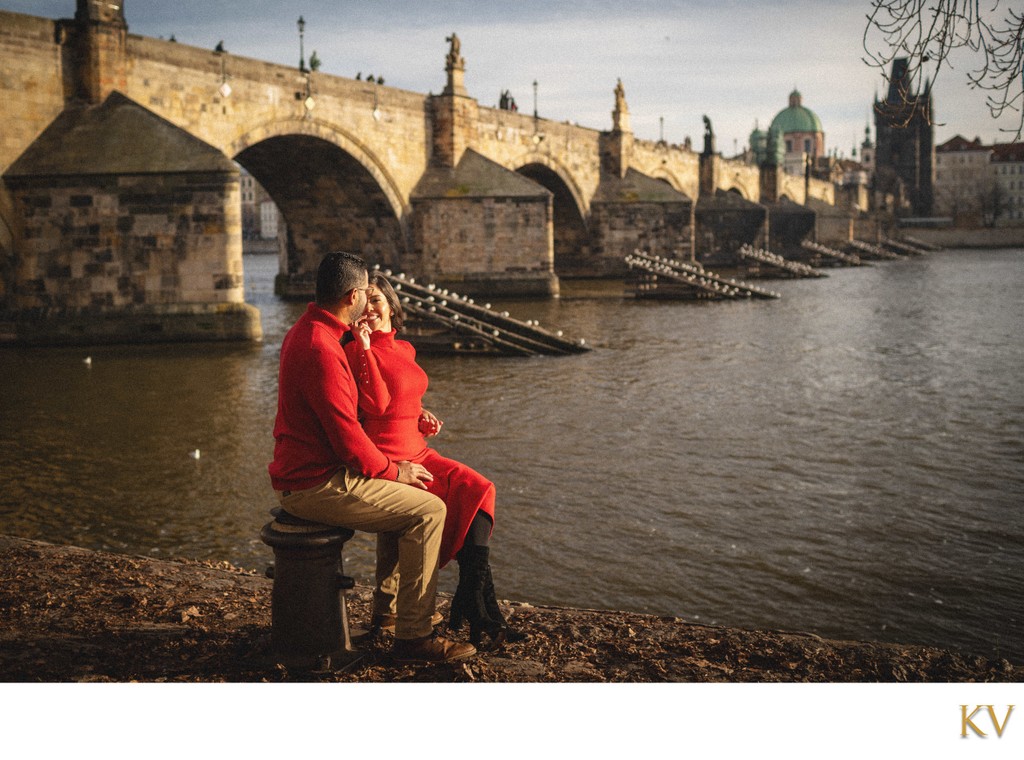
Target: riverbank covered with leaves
(73, 615)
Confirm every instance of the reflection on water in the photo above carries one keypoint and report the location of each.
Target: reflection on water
(847, 460)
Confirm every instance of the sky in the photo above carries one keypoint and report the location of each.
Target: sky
(735, 61)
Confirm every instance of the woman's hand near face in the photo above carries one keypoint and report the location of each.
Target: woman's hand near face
(362, 330)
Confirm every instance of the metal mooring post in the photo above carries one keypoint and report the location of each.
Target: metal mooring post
(309, 619)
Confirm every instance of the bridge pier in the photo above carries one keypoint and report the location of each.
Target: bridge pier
(131, 232)
(637, 211)
(725, 222)
(481, 229)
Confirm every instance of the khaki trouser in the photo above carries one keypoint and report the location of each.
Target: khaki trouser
(412, 520)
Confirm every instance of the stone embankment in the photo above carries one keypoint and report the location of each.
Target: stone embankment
(72, 615)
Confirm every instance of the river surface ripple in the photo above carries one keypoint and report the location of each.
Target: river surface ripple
(848, 460)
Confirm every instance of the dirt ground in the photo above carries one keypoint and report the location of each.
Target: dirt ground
(72, 615)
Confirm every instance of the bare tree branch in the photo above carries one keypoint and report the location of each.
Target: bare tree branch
(926, 32)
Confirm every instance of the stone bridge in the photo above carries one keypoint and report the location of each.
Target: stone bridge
(120, 189)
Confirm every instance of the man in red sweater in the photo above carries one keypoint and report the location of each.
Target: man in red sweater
(326, 469)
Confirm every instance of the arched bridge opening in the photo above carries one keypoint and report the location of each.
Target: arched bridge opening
(571, 238)
(328, 201)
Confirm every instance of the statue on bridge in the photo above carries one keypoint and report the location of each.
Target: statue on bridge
(620, 97)
(620, 116)
(709, 137)
(455, 66)
(454, 59)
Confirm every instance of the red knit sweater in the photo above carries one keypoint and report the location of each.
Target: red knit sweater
(391, 386)
(317, 430)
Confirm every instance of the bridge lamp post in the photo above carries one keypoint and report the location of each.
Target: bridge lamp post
(308, 102)
(538, 136)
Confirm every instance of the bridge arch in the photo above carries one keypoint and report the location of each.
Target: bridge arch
(337, 136)
(556, 168)
(571, 235)
(332, 193)
(670, 178)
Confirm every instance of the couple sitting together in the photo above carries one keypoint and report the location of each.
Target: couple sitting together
(350, 450)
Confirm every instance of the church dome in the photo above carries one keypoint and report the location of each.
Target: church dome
(796, 118)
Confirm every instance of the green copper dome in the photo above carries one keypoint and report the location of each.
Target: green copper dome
(796, 118)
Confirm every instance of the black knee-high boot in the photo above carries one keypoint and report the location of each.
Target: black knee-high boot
(468, 602)
(494, 611)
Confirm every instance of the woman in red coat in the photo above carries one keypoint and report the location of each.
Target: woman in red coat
(391, 387)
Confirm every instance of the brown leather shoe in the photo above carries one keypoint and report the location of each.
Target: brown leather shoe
(387, 622)
(431, 648)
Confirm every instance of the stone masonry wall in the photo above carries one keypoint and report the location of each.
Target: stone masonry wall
(108, 242)
(822, 190)
(31, 86)
(482, 236)
(618, 229)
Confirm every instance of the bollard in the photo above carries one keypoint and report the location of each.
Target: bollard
(309, 619)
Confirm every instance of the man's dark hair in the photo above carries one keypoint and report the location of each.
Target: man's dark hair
(338, 273)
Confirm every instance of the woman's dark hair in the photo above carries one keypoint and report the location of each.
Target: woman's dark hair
(381, 282)
(338, 273)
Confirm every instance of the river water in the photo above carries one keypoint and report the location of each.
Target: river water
(847, 460)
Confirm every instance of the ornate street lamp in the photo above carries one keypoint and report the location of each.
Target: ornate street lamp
(535, 98)
(302, 52)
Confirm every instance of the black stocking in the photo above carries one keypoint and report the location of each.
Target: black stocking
(479, 530)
